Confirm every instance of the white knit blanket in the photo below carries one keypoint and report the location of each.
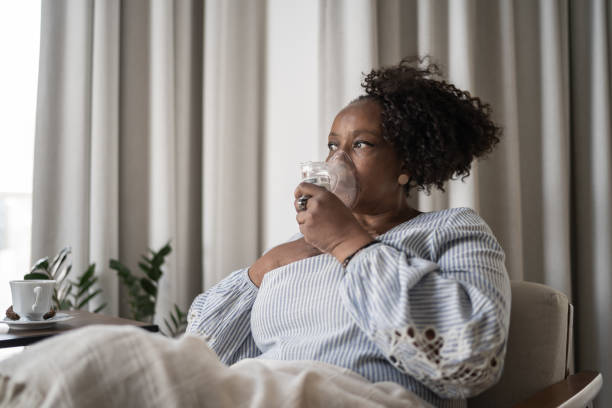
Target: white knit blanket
(114, 366)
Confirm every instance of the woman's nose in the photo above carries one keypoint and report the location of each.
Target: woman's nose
(343, 147)
(341, 155)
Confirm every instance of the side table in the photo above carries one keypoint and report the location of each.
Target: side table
(16, 338)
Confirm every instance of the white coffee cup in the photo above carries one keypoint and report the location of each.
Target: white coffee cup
(32, 298)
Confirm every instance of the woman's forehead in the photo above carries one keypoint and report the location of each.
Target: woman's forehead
(367, 105)
(360, 114)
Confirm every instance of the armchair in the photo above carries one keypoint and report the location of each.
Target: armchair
(538, 370)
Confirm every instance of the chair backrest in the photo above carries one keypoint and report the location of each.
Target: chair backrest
(539, 342)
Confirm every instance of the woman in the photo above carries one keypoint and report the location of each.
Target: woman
(417, 299)
(379, 305)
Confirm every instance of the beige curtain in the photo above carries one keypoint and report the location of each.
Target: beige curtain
(233, 135)
(119, 139)
(591, 178)
(72, 201)
(126, 90)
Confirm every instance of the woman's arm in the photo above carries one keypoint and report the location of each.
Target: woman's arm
(443, 322)
(281, 255)
(222, 315)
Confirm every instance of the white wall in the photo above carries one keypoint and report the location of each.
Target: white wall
(291, 106)
(19, 45)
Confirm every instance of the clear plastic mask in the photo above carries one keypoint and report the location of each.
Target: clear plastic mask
(337, 174)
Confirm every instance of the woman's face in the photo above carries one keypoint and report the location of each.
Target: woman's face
(357, 131)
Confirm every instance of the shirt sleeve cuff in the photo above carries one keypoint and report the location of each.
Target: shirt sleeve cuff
(358, 257)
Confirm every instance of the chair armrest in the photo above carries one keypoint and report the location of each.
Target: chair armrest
(577, 390)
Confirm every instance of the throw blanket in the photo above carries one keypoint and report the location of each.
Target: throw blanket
(104, 366)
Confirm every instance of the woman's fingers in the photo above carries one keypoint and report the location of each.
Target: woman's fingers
(308, 189)
(301, 217)
(305, 193)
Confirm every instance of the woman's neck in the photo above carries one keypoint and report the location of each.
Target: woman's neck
(379, 223)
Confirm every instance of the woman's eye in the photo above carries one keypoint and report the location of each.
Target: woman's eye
(332, 146)
(361, 144)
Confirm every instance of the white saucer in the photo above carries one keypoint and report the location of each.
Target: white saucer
(26, 324)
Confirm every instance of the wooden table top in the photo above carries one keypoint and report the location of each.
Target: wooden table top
(16, 338)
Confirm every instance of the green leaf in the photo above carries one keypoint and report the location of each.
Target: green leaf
(128, 280)
(41, 264)
(35, 276)
(61, 254)
(170, 331)
(153, 273)
(55, 268)
(165, 250)
(158, 258)
(134, 291)
(64, 291)
(88, 274)
(142, 287)
(147, 308)
(145, 303)
(177, 323)
(119, 267)
(65, 305)
(84, 288)
(148, 287)
(57, 256)
(157, 262)
(60, 277)
(179, 313)
(123, 272)
(88, 298)
(99, 308)
(144, 266)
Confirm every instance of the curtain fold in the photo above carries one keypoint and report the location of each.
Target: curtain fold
(119, 139)
(591, 90)
(233, 127)
(554, 135)
(104, 177)
(76, 119)
(134, 140)
(175, 144)
(495, 81)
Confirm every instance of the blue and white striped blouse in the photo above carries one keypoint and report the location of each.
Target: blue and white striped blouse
(428, 307)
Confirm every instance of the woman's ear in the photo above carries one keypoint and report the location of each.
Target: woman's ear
(403, 179)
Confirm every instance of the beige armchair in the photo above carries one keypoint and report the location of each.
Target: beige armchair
(538, 370)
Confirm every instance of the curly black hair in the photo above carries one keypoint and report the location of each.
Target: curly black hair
(436, 128)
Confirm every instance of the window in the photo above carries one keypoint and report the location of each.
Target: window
(19, 50)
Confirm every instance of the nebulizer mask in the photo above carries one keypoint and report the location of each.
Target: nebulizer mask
(337, 174)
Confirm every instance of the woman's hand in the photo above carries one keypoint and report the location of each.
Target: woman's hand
(328, 224)
(279, 256)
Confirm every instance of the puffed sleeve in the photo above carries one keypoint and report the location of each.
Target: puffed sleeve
(442, 318)
(222, 316)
